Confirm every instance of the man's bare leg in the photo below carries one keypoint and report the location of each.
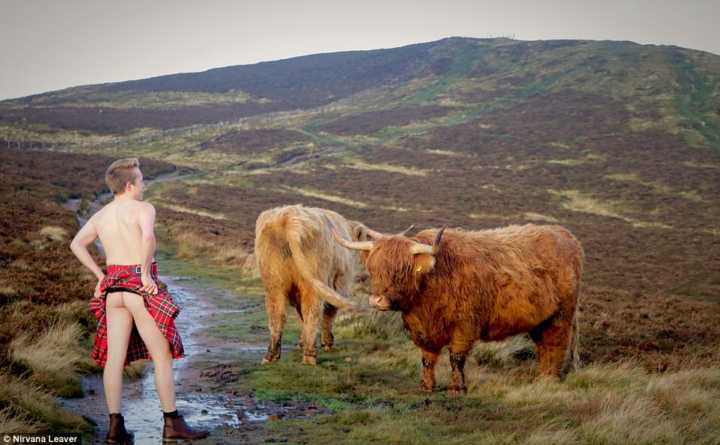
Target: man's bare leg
(119, 326)
(159, 349)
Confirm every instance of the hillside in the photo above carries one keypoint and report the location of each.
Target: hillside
(617, 141)
(679, 84)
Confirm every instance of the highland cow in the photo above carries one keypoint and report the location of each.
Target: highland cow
(454, 287)
(300, 264)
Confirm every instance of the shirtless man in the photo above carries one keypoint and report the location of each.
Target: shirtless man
(125, 227)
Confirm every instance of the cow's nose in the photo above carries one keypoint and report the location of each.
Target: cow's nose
(378, 301)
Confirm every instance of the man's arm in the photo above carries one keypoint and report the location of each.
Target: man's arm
(85, 236)
(146, 220)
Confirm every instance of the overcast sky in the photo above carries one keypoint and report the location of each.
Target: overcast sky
(53, 44)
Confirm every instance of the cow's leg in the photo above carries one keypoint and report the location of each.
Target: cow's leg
(342, 283)
(311, 318)
(299, 345)
(327, 339)
(429, 360)
(276, 306)
(459, 350)
(552, 339)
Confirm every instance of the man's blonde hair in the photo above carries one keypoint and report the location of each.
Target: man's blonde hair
(120, 173)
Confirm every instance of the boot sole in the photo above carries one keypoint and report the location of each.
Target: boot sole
(128, 441)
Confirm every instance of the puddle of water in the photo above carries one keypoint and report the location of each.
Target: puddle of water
(255, 417)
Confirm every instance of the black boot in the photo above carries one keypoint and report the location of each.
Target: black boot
(176, 428)
(117, 434)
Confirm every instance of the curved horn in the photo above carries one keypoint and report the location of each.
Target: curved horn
(373, 234)
(421, 248)
(356, 245)
(438, 237)
(406, 231)
(424, 248)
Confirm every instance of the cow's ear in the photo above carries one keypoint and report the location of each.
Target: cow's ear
(359, 231)
(424, 263)
(355, 230)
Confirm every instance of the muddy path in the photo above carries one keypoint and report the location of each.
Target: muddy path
(201, 378)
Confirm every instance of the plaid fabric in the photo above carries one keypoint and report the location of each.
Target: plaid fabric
(161, 307)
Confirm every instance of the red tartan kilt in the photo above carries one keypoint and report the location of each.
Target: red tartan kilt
(161, 307)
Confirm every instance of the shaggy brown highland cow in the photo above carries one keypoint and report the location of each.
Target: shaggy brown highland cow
(300, 264)
(454, 287)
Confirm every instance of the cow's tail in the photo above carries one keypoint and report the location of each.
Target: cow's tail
(575, 342)
(575, 362)
(294, 238)
(573, 359)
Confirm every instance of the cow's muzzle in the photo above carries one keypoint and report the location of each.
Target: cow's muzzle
(380, 302)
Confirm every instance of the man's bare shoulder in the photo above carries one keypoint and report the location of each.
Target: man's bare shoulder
(145, 206)
(145, 212)
(132, 208)
(102, 211)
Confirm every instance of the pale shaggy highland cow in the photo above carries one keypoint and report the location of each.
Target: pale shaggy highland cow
(454, 287)
(300, 264)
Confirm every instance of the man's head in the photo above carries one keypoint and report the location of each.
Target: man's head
(124, 177)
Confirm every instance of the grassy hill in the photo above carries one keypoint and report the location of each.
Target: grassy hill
(617, 141)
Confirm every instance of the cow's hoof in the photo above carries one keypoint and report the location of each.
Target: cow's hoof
(309, 360)
(457, 391)
(328, 340)
(427, 385)
(270, 359)
(547, 378)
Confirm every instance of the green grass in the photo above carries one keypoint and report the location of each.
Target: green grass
(89, 97)
(216, 276)
(695, 103)
(53, 357)
(433, 89)
(25, 407)
(372, 388)
(540, 86)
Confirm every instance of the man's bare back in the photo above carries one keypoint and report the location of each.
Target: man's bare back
(120, 226)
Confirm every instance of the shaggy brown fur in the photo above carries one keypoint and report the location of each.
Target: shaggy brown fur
(300, 264)
(486, 285)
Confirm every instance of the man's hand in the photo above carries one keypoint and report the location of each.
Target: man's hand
(149, 284)
(97, 286)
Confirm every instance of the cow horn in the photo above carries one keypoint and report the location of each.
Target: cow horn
(421, 248)
(424, 248)
(438, 237)
(406, 231)
(356, 245)
(373, 234)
